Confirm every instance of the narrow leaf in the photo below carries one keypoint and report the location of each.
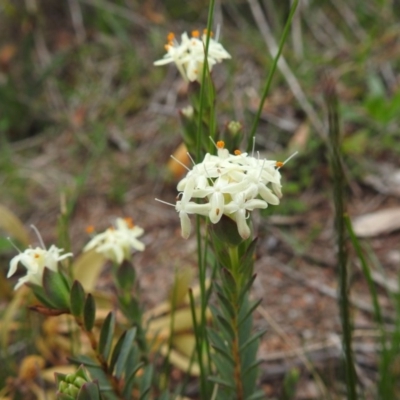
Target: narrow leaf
(89, 391)
(248, 311)
(220, 381)
(89, 312)
(246, 287)
(251, 339)
(145, 383)
(226, 327)
(125, 351)
(84, 360)
(40, 294)
(259, 395)
(106, 335)
(77, 299)
(56, 289)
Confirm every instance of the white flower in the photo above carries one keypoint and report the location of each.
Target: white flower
(35, 260)
(116, 243)
(188, 56)
(230, 184)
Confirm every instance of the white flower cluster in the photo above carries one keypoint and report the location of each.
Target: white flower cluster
(189, 54)
(231, 184)
(116, 242)
(35, 260)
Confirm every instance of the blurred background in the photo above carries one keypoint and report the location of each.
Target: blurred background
(87, 120)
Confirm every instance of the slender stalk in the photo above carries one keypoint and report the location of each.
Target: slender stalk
(114, 381)
(205, 71)
(199, 346)
(339, 201)
(271, 74)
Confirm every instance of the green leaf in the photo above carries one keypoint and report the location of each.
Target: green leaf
(245, 312)
(84, 360)
(227, 328)
(56, 288)
(222, 382)
(124, 351)
(246, 288)
(224, 353)
(251, 339)
(259, 395)
(132, 375)
(254, 365)
(226, 231)
(106, 335)
(126, 276)
(89, 391)
(247, 260)
(40, 294)
(220, 345)
(77, 299)
(145, 383)
(227, 305)
(89, 312)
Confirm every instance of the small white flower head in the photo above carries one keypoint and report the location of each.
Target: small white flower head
(188, 55)
(35, 260)
(230, 184)
(117, 242)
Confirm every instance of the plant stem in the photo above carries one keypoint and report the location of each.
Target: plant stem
(339, 195)
(114, 381)
(271, 74)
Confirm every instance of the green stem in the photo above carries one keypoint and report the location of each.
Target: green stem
(339, 196)
(203, 87)
(271, 74)
(235, 264)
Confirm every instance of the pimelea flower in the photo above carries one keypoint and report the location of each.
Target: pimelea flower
(188, 55)
(230, 184)
(117, 242)
(35, 260)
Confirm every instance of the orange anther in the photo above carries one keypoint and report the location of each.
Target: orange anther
(36, 255)
(89, 229)
(167, 47)
(237, 152)
(129, 222)
(170, 37)
(220, 144)
(195, 34)
(279, 164)
(205, 32)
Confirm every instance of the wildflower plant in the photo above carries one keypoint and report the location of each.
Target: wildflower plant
(222, 188)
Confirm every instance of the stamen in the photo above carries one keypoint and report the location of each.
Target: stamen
(89, 229)
(165, 202)
(170, 37)
(195, 33)
(181, 163)
(221, 144)
(14, 245)
(237, 152)
(279, 164)
(39, 237)
(254, 145)
(191, 158)
(287, 160)
(129, 222)
(206, 32)
(167, 47)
